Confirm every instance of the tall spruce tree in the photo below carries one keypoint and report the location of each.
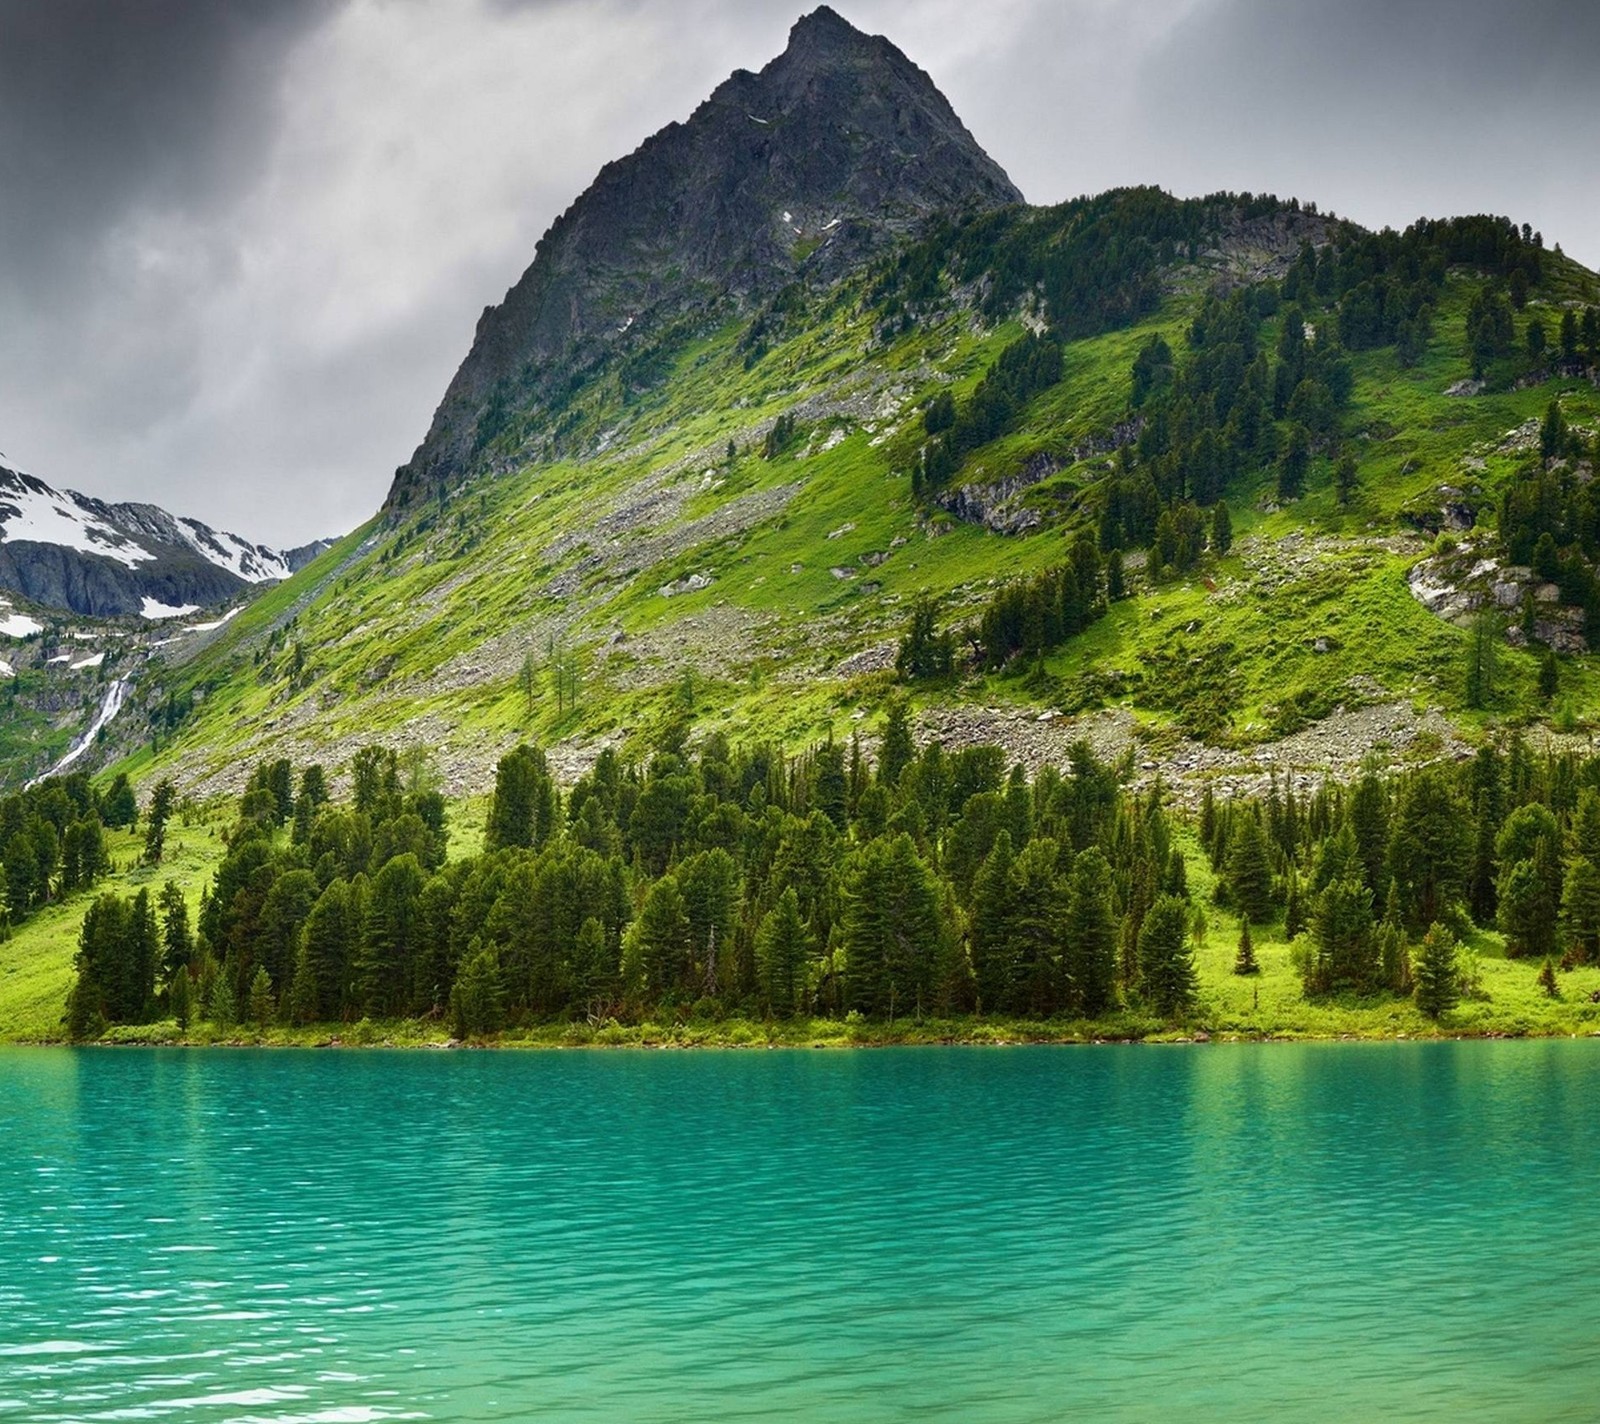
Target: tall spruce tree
(1166, 963)
(783, 951)
(1438, 985)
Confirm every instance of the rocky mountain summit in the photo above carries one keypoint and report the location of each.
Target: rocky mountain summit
(70, 551)
(835, 149)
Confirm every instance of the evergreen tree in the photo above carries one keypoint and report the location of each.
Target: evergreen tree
(659, 945)
(1547, 979)
(180, 998)
(1116, 580)
(1221, 529)
(162, 800)
(1429, 849)
(477, 1001)
(119, 808)
(1166, 964)
(1249, 872)
(1244, 961)
(1293, 464)
(328, 946)
(783, 950)
(991, 932)
(1438, 987)
(1549, 676)
(177, 940)
(1038, 918)
(390, 941)
(1345, 479)
(1089, 935)
(260, 1007)
(1345, 953)
(522, 811)
(1580, 910)
(1483, 660)
(892, 931)
(897, 750)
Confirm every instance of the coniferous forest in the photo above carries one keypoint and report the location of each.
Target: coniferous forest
(733, 881)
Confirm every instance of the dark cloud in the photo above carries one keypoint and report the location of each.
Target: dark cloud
(106, 105)
(243, 243)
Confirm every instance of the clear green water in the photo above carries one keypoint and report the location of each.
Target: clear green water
(1321, 1231)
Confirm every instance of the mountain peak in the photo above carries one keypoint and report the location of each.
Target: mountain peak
(822, 30)
(837, 147)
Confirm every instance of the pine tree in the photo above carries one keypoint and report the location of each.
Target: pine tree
(783, 950)
(477, 1001)
(522, 809)
(1549, 676)
(991, 931)
(260, 1005)
(1580, 910)
(390, 939)
(1438, 986)
(1245, 961)
(180, 997)
(177, 940)
(898, 751)
(1345, 953)
(660, 943)
(1293, 464)
(1221, 529)
(1547, 979)
(328, 942)
(1249, 872)
(1345, 480)
(156, 818)
(1166, 964)
(1116, 578)
(1089, 935)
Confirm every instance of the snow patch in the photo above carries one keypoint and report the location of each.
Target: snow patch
(93, 661)
(209, 627)
(19, 625)
(153, 609)
(59, 658)
(6, 670)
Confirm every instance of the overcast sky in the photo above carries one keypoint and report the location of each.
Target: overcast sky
(244, 243)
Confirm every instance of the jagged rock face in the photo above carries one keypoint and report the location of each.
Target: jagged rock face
(837, 147)
(69, 551)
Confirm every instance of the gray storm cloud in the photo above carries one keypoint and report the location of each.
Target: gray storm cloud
(244, 245)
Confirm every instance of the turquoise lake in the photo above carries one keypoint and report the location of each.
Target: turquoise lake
(1252, 1232)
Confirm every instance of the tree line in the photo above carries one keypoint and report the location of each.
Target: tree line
(726, 880)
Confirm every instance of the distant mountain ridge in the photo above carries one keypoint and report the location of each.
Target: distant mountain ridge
(71, 551)
(838, 147)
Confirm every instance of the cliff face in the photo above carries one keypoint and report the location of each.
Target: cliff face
(837, 147)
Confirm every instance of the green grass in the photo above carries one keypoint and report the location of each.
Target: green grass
(36, 957)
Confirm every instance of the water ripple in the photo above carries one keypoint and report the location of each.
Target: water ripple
(1320, 1231)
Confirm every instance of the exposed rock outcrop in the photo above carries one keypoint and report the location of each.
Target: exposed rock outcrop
(837, 147)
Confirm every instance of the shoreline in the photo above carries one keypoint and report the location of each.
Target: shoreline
(743, 1035)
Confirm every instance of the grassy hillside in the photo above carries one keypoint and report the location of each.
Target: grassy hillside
(635, 569)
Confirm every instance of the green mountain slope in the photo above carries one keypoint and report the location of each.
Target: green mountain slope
(591, 597)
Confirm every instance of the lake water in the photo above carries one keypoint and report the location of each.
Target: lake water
(1317, 1231)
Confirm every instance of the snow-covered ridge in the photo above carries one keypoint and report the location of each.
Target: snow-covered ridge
(33, 512)
(132, 534)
